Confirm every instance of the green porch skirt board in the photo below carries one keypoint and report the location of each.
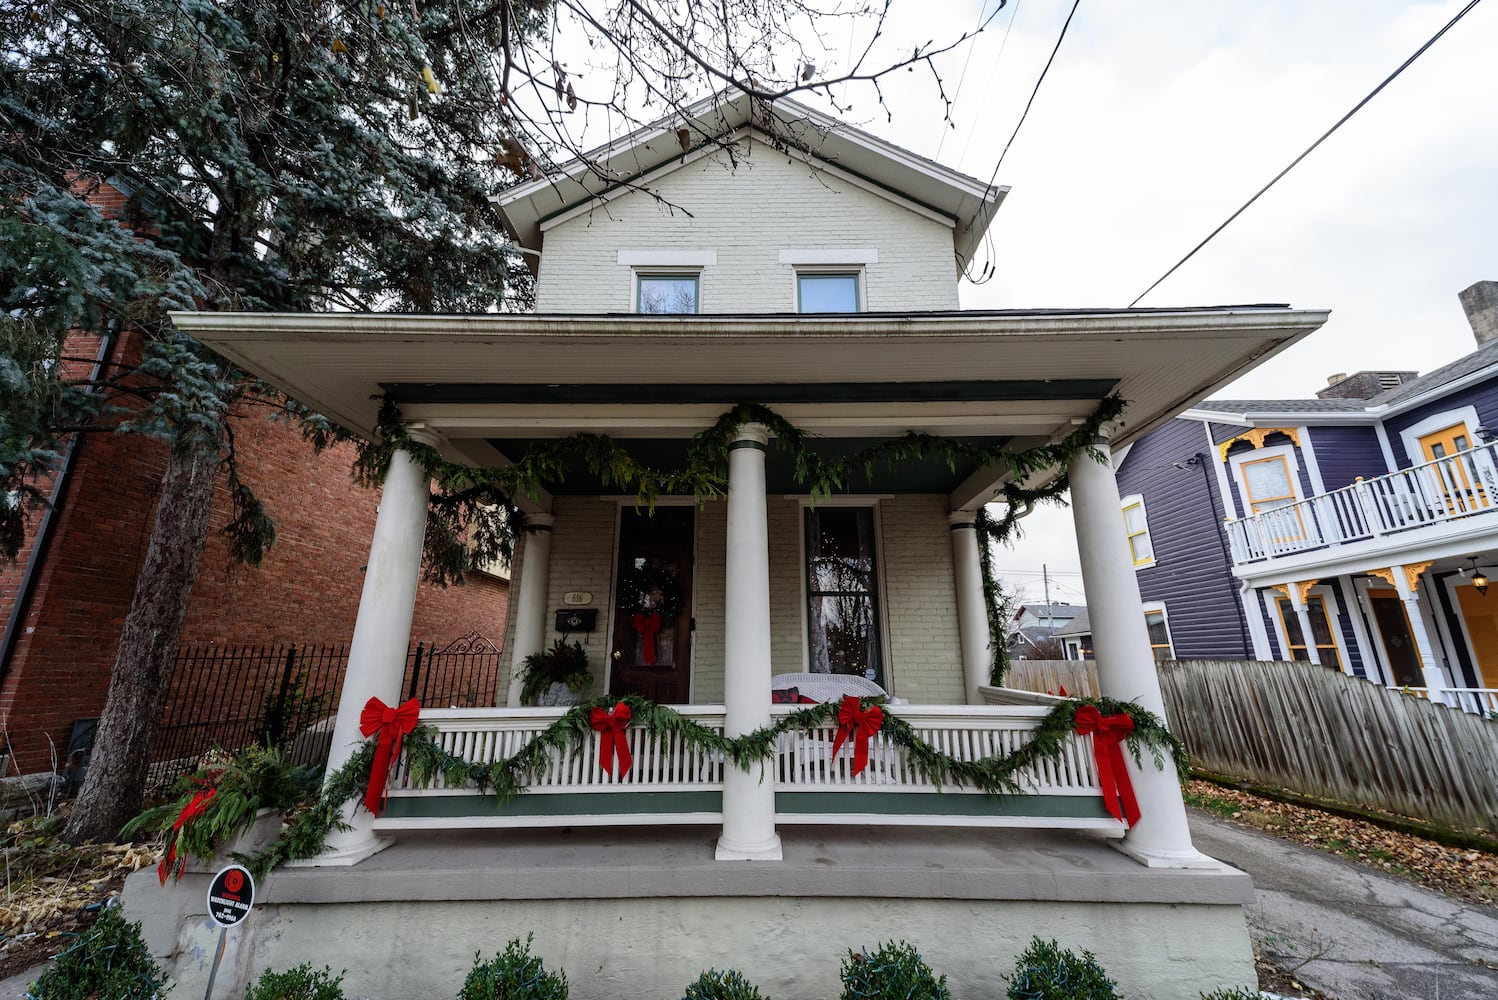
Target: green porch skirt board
(805, 803)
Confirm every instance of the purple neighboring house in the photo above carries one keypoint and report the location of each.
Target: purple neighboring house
(1358, 530)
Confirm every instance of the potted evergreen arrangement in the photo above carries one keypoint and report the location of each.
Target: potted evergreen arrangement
(555, 676)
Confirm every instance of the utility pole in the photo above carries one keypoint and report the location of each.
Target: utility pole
(1050, 619)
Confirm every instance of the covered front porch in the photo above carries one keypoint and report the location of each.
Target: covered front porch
(483, 390)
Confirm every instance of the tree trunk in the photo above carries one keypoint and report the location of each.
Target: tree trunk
(113, 790)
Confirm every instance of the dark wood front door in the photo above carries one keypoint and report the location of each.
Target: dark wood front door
(1398, 638)
(652, 650)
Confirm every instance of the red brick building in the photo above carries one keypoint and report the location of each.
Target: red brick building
(63, 606)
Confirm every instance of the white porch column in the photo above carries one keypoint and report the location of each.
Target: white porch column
(382, 633)
(530, 602)
(972, 613)
(1430, 667)
(1303, 615)
(1125, 663)
(748, 796)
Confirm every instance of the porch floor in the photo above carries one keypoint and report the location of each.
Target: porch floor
(640, 862)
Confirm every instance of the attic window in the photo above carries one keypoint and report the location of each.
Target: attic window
(666, 293)
(827, 292)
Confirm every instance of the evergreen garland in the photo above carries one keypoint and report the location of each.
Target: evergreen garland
(507, 777)
(479, 503)
(305, 833)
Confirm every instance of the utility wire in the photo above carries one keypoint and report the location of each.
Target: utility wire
(1025, 114)
(962, 77)
(1310, 149)
(987, 271)
(993, 73)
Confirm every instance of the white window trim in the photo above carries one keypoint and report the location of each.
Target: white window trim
(1465, 415)
(641, 271)
(1292, 466)
(1150, 607)
(830, 257)
(686, 259)
(1329, 601)
(1132, 500)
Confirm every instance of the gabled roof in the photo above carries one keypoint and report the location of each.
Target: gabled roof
(1080, 625)
(1067, 611)
(1482, 360)
(637, 159)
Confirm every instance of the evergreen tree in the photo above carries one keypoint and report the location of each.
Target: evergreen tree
(278, 156)
(292, 155)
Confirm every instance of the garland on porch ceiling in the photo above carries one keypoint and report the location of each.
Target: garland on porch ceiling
(305, 832)
(474, 517)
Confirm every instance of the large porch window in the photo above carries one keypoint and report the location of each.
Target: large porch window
(842, 593)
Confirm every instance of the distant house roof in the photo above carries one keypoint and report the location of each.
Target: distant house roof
(1030, 635)
(1485, 356)
(1079, 625)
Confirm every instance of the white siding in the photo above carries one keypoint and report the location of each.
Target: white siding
(747, 215)
(920, 601)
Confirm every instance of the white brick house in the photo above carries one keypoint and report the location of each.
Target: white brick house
(674, 283)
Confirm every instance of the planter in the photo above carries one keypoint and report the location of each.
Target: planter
(263, 829)
(559, 696)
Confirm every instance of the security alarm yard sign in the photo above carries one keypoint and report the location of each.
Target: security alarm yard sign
(231, 895)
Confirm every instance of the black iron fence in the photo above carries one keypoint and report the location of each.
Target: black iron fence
(286, 694)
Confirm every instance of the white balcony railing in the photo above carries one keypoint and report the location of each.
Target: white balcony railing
(670, 782)
(1475, 701)
(1458, 486)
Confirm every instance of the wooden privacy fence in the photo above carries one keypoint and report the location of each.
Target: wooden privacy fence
(1324, 733)
(1079, 677)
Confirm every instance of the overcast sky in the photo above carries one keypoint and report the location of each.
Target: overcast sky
(1159, 119)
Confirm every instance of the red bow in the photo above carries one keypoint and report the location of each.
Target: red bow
(1108, 735)
(612, 724)
(388, 725)
(647, 626)
(860, 723)
(194, 808)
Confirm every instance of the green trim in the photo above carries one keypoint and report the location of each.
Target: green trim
(754, 445)
(765, 393)
(949, 804)
(963, 526)
(567, 804)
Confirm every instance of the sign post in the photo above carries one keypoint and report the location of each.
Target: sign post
(230, 896)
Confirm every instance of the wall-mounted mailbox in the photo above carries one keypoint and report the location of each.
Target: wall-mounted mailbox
(577, 620)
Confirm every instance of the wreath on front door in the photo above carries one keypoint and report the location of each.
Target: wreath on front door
(651, 597)
(649, 589)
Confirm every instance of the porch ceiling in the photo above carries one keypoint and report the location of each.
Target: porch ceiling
(1027, 376)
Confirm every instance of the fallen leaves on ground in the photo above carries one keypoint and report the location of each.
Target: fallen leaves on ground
(1466, 874)
(52, 889)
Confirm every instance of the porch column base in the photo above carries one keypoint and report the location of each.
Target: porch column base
(768, 850)
(345, 856)
(1164, 859)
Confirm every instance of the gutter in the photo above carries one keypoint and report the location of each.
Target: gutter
(44, 530)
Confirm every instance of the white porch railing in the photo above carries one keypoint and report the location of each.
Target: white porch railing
(1477, 701)
(1460, 485)
(670, 782)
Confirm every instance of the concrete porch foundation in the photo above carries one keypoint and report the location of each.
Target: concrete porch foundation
(637, 913)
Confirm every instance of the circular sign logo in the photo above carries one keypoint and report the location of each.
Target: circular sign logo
(230, 895)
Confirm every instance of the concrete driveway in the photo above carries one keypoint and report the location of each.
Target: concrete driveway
(1352, 932)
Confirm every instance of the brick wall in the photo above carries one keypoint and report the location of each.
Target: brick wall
(726, 211)
(921, 601)
(307, 590)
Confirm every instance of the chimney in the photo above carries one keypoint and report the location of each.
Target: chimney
(1333, 379)
(1363, 385)
(1481, 305)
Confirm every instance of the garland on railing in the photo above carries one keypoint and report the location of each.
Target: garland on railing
(474, 515)
(305, 833)
(506, 777)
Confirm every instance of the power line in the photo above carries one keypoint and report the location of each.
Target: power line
(993, 73)
(1311, 148)
(987, 271)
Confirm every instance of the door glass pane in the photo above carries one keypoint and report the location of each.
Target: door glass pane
(842, 598)
(667, 293)
(1320, 628)
(828, 293)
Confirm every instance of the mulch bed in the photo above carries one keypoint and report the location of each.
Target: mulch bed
(53, 892)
